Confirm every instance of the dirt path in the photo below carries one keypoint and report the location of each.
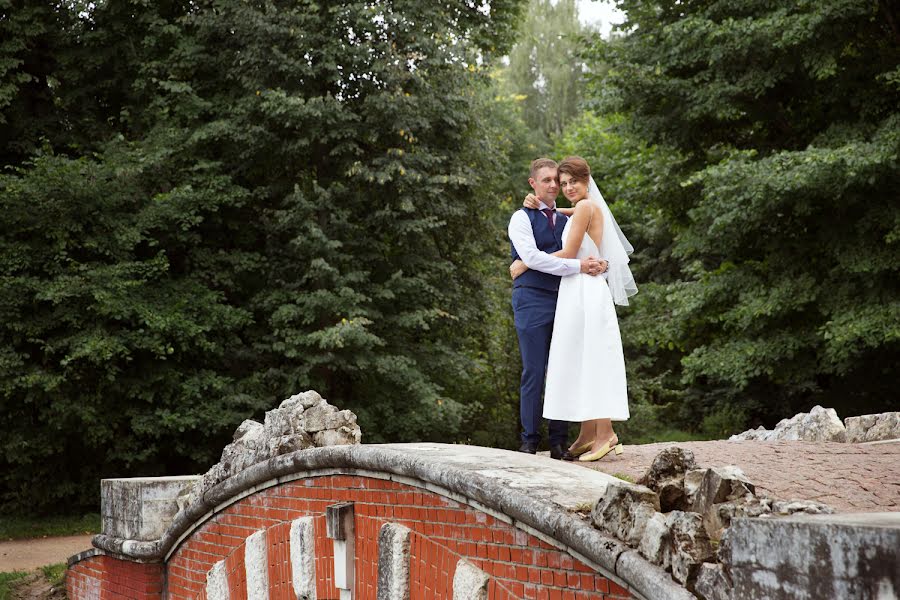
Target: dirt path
(25, 555)
(36, 587)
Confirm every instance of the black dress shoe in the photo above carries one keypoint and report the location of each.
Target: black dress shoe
(528, 448)
(556, 452)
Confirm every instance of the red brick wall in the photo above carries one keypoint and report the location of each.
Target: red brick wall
(114, 579)
(520, 565)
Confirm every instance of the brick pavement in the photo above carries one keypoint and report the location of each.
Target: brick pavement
(847, 477)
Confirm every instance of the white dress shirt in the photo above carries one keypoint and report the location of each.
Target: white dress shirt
(522, 237)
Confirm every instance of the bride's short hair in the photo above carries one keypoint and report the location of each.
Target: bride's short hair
(539, 163)
(575, 166)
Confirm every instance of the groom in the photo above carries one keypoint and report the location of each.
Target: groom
(535, 234)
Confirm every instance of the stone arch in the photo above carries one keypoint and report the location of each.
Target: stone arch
(495, 517)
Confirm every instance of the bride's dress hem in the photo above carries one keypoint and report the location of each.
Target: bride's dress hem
(580, 419)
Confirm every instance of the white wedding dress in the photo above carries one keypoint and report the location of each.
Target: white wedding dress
(586, 370)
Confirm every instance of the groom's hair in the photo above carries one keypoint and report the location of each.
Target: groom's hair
(539, 163)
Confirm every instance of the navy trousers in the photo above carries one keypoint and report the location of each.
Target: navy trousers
(533, 312)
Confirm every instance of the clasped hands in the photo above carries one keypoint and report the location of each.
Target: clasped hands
(590, 265)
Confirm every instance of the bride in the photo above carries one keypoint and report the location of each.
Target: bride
(586, 369)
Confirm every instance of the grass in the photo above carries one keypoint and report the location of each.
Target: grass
(55, 574)
(18, 527)
(583, 507)
(6, 581)
(624, 477)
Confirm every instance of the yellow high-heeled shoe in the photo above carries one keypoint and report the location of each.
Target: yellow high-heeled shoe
(603, 451)
(580, 449)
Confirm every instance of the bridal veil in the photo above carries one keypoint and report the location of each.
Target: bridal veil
(614, 247)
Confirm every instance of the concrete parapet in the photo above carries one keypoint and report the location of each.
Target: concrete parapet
(141, 508)
(846, 556)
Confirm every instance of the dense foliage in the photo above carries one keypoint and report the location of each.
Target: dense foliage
(774, 130)
(229, 202)
(544, 70)
(207, 206)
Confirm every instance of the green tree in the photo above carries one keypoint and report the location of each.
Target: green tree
(116, 359)
(780, 124)
(544, 65)
(71, 73)
(289, 196)
(29, 36)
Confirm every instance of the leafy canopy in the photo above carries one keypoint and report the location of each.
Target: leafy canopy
(780, 125)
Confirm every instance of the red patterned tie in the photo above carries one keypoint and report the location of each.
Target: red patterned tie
(549, 213)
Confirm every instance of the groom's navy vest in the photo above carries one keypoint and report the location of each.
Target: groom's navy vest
(549, 240)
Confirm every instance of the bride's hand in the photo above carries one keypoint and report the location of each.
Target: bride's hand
(531, 201)
(517, 268)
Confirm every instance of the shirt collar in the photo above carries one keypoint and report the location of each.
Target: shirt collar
(543, 206)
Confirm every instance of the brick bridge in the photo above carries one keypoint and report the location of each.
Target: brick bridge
(427, 521)
(370, 521)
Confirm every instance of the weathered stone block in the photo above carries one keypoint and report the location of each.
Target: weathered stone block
(692, 480)
(141, 508)
(723, 553)
(342, 418)
(314, 418)
(303, 558)
(624, 511)
(809, 507)
(846, 556)
(217, 582)
(720, 484)
(713, 583)
(818, 425)
(393, 562)
(345, 436)
(666, 477)
(256, 564)
(873, 428)
(283, 444)
(288, 428)
(306, 399)
(469, 582)
(656, 543)
(282, 421)
(691, 546)
(720, 516)
(248, 426)
(758, 434)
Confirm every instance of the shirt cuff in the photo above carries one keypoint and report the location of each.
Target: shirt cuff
(573, 266)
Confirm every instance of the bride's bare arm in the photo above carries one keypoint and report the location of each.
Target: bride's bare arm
(577, 230)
